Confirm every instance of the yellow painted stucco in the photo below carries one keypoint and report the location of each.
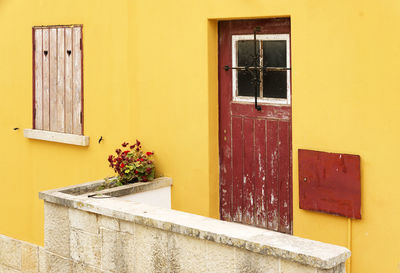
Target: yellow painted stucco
(150, 72)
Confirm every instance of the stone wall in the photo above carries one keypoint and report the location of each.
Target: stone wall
(111, 235)
(18, 256)
(79, 241)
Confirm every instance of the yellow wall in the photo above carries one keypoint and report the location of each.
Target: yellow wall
(150, 72)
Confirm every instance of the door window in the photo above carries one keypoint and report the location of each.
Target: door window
(274, 51)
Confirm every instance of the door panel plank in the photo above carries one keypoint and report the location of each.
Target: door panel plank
(260, 204)
(68, 80)
(38, 79)
(284, 176)
(46, 80)
(237, 169)
(248, 171)
(272, 176)
(225, 145)
(267, 111)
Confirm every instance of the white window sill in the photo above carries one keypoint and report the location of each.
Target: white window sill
(57, 137)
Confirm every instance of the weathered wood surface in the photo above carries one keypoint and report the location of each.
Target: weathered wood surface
(46, 81)
(76, 81)
(255, 146)
(38, 84)
(68, 81)
(60, 94)
(58, 79)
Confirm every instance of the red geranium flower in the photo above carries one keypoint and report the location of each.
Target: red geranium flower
(122, 165)
(149, 153)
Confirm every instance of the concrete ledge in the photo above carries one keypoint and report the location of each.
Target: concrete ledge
(260, 241)
(57, 137)
(91, 187)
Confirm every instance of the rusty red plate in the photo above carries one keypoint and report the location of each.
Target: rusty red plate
(330, 182)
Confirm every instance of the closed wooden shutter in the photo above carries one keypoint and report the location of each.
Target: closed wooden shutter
(58, 94)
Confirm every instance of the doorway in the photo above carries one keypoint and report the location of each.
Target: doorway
(255, 138)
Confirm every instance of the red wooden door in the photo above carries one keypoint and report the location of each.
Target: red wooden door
(255, 146)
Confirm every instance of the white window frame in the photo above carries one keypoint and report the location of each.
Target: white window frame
(267, 37)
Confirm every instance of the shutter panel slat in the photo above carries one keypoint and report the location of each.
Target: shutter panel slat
(60, 113)
(46, 80)
(77, 82)
(68, 80)
(38, 39)
(53, 79)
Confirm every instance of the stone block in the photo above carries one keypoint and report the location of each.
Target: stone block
(6, 269)
(341, 268)
(84, 268)
(128, 250)
(56, 229)
(292, 267)
(52, 263)
(85, 247)
(29, 258)
(187, 254)
(10, 252)
(83, 220)
(107, 222)
(117, 251)
(220, 258)
(151, 250)
(250, 262)
(127, 227)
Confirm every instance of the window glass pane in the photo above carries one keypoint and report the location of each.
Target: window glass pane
(274, 53)
(245, 58)
(274, 82)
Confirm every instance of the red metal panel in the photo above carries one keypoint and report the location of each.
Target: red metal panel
(248, 171)
(260, 204)
(330, 182)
